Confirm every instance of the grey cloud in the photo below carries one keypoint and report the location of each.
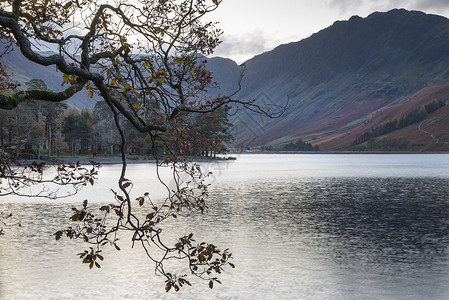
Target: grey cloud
(421, 4)
(241, 48)
(345, 6)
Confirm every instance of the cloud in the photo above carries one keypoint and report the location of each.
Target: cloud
(421, 4)
(344, 6)
(255, 33)
(347, 6)
(241, 48)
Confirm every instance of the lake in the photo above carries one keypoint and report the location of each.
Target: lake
(300, 226)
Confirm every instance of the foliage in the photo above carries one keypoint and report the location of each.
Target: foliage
(5, 83)
(30, 179)
(210, 132)
(386, 143)
(77, 127)
(146, 60)
(19, 130)
(49, 116)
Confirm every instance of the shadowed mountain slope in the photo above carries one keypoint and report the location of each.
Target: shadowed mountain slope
(338, 78)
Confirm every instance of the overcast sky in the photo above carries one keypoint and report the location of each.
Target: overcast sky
(255, 26)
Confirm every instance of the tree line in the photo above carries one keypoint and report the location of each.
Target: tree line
(407, 119)
(300, 145)
(40, 129)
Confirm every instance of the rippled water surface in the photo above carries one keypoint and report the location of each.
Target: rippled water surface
(300, 227)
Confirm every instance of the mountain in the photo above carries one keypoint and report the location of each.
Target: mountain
(24, 70)
(374, 83)
(341, 79)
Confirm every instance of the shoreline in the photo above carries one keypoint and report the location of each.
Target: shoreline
(232, 156)
(118, 160)
(338, 152)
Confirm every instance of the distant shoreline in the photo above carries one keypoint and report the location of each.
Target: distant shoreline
(232, 156)
(118, 160)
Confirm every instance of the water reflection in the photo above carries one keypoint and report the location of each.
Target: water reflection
(371, 235)
(293, 237)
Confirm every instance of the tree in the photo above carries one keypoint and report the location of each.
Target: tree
(209, 132)
(77, 128)
(300, 145)
(49, 113)
(53, 113)
(146, 60)
(106, 135)
(19, 131)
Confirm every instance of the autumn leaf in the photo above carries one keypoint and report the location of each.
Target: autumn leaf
(72, 79)
(126, 184)
(58, 235)
(168, 286)
(76, 217)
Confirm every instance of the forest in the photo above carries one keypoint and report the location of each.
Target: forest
(46, 130)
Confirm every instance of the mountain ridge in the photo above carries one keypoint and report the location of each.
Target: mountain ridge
(338, 77)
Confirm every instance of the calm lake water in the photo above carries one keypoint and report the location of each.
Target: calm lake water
(300, 227)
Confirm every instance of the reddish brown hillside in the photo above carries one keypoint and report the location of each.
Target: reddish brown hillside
(437, 123)
(429, 135)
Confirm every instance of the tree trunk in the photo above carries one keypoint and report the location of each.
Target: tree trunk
(49, 138)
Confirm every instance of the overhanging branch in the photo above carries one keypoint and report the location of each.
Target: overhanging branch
(11, 101)
(58, 60)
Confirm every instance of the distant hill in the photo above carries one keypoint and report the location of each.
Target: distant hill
(226, 71)
(24, 70)
(339, 80)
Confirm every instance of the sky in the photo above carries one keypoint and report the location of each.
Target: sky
(252, 27)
